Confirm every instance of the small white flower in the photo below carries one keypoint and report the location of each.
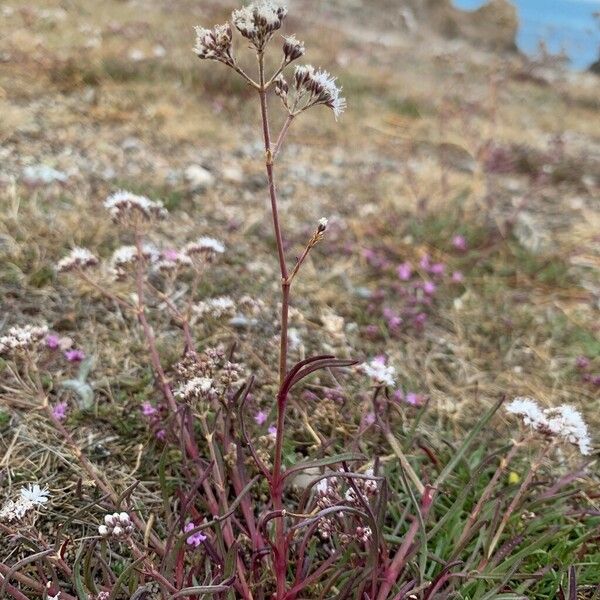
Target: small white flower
(566, 421)
(80, 258)
(379, 372)
(204, 245)
(194, 388)
(124, 205)
(215, 307)
(22, 337)
(214, 44)
(35, 494)
(529, 409)
(116, 525)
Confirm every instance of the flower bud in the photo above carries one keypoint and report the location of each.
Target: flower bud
(292, 48)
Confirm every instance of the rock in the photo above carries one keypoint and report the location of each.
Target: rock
(43, 175)
(493, 25)
(233, 174)
(199, 178)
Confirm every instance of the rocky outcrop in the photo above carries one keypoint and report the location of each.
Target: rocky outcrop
(494, 25)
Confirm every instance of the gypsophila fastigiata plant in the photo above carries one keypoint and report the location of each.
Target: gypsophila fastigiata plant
(472, 520)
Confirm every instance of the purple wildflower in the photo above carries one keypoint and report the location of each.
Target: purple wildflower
(52, 341)
(196, 538)
(438, 268)
(60, 411)
(582, 362)
(260, 417)
(424, 263)
(370, 418)
(429, 288)
(75, 355)
(148, 410)
(404, 271)
(414, 399)
(170, 254)
(459, 242)
(272, 431)
(457, 277)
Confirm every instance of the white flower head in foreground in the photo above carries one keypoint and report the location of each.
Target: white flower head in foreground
(78, 258)
(124, 206)
(259, 20)
(30, 497)
(319, 87)
(564, 421)
(214, 44)
(22, 337)
(195, 388)
(322, 226)
(529, 409)
(215, 307)
(35, 494)
(116, 525)
(379, 372)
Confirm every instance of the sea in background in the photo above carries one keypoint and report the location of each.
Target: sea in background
(567, 25)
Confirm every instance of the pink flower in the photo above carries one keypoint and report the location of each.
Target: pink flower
(398, 396)
(414, 399)
(424, 262)
(393, 319)
(272, 431)
(437, 268)
(429, 288)
(404, 271)
(75, 355)
(60, 410)
(161, 435)
(52, 341)
(459, 242)
(582, 362)
(148, 410)
(260, 417)
(457, 277)
(369, 418)
(196, 538)
(419, 320)
(170, 254)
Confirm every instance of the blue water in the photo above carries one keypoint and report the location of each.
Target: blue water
(566, 25)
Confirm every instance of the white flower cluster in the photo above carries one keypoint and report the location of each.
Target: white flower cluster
(124, 206)
(258, 21)
(21, 338)
(214, 44)
(78, 258)
(317, 86)
(215, 307)
(205, 246)
(379, 372)
(116, 525)
(172, 260)
(126, 256)
(30, 497)
(195, 388)
(563, 421)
